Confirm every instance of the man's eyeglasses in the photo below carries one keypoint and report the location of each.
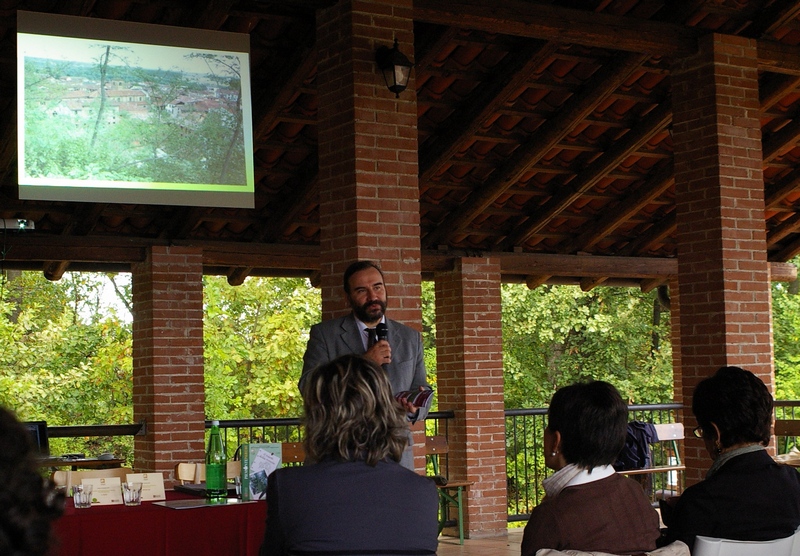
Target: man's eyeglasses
(698, 432)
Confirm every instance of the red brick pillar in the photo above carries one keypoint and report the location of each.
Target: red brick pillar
(469, 347)
(168, 388)
(368, 172)
(723, 272)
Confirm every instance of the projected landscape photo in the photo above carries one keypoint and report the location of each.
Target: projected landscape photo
(116, 115)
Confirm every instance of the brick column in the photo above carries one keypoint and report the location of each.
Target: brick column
(723, 273)
(368, 172)
(469, 347)
(168, 388)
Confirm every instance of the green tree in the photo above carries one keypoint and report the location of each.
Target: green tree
(255, 336)
(786, 335)
(556, 335)
(61, 359)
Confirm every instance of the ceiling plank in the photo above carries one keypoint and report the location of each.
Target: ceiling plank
(778, 57)
(652, 123)
(465, 122)
(611, 219)
(563, 25)
(574, 110)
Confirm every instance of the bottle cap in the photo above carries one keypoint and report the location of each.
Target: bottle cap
(215, 423)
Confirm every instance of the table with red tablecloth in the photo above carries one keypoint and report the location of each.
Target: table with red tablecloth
(154, 530)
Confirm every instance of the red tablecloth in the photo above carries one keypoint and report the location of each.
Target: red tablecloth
(153, 530)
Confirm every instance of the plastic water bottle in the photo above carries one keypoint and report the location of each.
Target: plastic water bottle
(216, 465)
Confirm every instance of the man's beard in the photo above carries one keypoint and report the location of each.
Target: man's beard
(369, 312)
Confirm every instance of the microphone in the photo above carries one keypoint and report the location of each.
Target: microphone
(382, 331)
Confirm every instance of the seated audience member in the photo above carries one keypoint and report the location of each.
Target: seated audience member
(745, 495)
(28, 502)
(352, 496)
(587, 505)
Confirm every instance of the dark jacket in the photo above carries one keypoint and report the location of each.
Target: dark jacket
(749, 498)
(350, 508)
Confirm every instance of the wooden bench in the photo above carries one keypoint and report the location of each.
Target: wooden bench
(292, 453)
(787, 429)
(450, 493)
(669, 434)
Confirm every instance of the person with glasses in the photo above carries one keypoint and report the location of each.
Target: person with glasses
(746, 495)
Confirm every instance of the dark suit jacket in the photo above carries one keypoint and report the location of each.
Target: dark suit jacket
(336, 337)
(749, 498)
(350, 508)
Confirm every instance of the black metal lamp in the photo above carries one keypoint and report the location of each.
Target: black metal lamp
(395, 66)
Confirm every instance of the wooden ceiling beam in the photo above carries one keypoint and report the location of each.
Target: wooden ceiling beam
(787, 227)
(780, 190)
(610, 220)
(788, 252)
(466, 122)
(81, 223)
(652, 123)
(658, 233)
(773, 17)
(778, 57)
(777, 143)
(562, 25)
(26, 250)
(573, 111)
(279, 91)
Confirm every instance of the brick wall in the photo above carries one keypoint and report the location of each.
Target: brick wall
(369, 195)
(168, 386)
(723, 273)
(469, 347)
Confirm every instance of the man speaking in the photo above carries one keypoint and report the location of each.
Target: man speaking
(366, 330)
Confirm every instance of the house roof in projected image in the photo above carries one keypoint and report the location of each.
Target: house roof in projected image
(544, 130)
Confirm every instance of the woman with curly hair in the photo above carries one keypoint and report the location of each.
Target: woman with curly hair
(352, 496)
(28, 502)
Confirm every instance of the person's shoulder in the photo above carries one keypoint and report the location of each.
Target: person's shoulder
(405, 475)
(400, 327)
(334, 322)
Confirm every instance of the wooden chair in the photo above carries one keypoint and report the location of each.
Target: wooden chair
(450, 493)
(710, 546)
(788, 429)
(292, 453)
(669, 434)
(187, 472)
(69, 478)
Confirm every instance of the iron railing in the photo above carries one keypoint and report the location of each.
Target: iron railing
(525, 467)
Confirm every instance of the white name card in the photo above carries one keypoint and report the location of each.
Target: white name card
(105, 490)
(152, 485)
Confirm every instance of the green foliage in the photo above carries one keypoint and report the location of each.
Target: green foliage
(786, 335)
(63, 360)
(556, 335)
(255, 337)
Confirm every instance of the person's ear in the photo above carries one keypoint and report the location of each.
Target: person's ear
(717, 434)
(556, 441)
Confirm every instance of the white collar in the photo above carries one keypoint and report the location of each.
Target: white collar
(585, 476)
(362, 327)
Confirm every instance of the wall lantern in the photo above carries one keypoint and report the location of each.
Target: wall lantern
(395, 66)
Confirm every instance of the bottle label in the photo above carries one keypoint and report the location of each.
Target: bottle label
(216, 479)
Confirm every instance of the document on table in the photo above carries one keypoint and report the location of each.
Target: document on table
(152, 485)
(105, 490)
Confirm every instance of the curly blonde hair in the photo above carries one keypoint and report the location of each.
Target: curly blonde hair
(350, 413)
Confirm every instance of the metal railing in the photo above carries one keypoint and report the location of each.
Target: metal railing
(524, 434)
